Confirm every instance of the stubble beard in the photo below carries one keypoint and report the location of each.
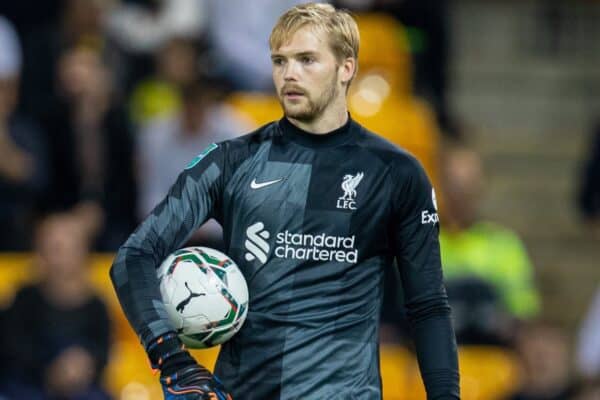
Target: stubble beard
(313, 108)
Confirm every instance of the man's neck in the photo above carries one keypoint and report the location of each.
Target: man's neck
(329, 121)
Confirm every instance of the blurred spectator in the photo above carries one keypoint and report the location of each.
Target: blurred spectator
(476, 249)
(167, 145)
(589, 193)
(543, 349)
(56, 331)
(588, 346)
(160, 94)
(80, 25)
(239, 31)
(23, 156)
(144, 28)
(91, 150)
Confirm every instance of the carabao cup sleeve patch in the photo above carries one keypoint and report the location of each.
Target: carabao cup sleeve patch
(200, 156)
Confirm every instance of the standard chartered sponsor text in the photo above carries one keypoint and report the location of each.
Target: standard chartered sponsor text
(320, 247)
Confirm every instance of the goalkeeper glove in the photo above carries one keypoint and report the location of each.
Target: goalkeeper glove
(181, 377)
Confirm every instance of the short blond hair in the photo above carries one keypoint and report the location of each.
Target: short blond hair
(339, 26)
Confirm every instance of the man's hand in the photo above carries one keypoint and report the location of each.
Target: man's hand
(70, 373)
(182, 378)
(193, 383)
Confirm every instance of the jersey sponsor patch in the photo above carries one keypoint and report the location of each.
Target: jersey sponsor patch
(299, 246)
(256, 242)
(200, 156)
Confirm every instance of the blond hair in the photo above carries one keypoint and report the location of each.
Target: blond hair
(338, 25)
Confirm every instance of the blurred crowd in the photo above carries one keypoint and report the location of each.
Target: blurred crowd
(90, 90)
(102, 104)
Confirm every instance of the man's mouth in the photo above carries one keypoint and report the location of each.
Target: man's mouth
(293, 93)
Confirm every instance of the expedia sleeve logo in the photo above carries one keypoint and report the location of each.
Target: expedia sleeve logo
(428, 217)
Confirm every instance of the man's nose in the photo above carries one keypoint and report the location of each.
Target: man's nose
(291, 71)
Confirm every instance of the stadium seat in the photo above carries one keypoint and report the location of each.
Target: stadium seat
(396, 363)
(385, 49)
(258, 108)
(486, 373)
(14, 272)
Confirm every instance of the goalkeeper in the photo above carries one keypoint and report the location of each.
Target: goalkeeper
(331, 205)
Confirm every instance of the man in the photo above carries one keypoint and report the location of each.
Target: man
(475, 248)
(57, 333)
(91, 151)
(331, 204)
(23, 150)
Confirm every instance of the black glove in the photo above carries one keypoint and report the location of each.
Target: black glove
(181, 377)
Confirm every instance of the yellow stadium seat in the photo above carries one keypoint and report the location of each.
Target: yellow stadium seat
(385, 49)
(395, 362)
(128, 367)
(258, 108)
(14, 272)
(486, 373)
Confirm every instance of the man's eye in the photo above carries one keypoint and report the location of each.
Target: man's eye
(307, 60)
(277, 61)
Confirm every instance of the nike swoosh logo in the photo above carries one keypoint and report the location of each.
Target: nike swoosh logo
(256, 185)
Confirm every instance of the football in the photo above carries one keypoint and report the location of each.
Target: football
(205, 295)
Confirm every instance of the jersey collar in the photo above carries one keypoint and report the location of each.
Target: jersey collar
(333, 138)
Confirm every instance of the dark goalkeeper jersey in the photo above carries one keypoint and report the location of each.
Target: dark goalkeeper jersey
(312, 221)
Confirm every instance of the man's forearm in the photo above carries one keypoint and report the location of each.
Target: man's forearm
(436, 349)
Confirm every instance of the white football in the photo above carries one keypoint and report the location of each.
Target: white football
(205, 295)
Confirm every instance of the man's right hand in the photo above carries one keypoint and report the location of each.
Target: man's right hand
(181, 377)
(193, 383)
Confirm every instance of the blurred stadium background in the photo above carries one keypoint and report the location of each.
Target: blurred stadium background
(102, 102)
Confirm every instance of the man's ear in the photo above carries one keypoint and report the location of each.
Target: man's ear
(347, 69)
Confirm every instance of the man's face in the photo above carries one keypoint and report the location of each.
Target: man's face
(305, 73)
(61, 247)
(463, 182)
